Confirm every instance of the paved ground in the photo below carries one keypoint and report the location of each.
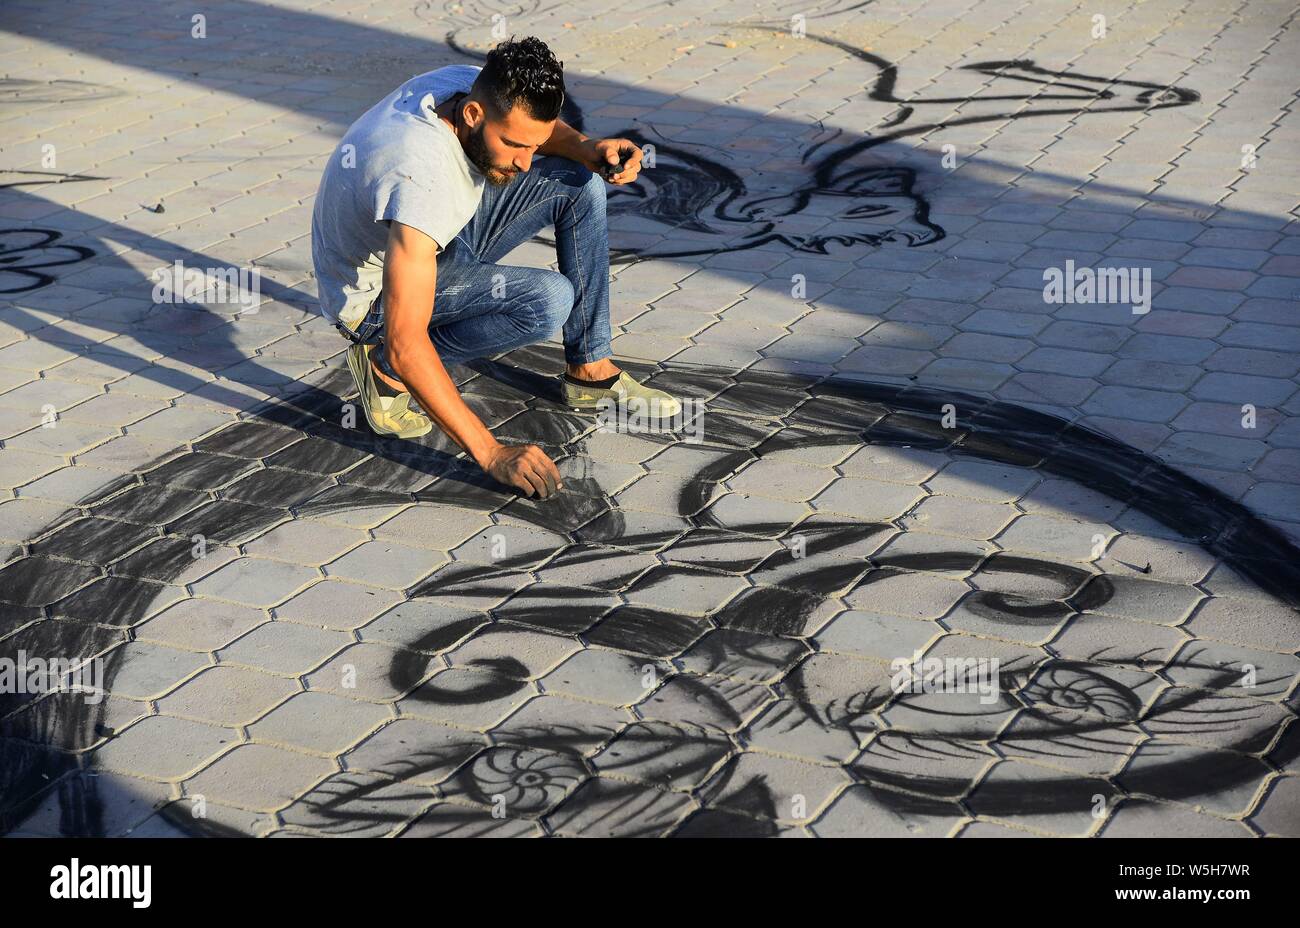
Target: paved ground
(906, 450)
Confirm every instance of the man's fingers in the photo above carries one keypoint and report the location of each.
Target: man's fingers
(630, 168)
(544, 466)
(537, 476)
(521, 484)
(548, 478)
(553, 473)
(544, 478)
(529, 482)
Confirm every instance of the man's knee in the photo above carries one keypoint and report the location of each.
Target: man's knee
(592, 195)
(587, 188)
(552, 303)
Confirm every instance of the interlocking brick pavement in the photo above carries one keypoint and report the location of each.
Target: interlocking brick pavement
(906, 451)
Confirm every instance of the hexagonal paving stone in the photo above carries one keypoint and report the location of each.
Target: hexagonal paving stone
(284, 647)
(520, 782)
(143, 670)
(792, 728)
(200, 624)
(596, 567)
(371, 671)
(1143, 819)
(742, 655)
(386, 564)
(1058, 538)
(470, 699)
(877, 636)
(895, 465)
(517, 652)
(165, 748)
(1041, 798)
(562, 723)
(776, 788)
(337, 604)
(375, 806)
(864, 811)
(1221, 781)
(782, 480)
(1279, 812)
(604, 676)
(417, 750)
(509, 545)
(125, 802)
(673, 755)
(720, 550)
(618, 809)
(714, 702)
(869, 500)
(952, 515)
(912, 594)
(755, 515)
(259, 777)
(228, 696)
(304, 543)
(1247, 622)
(256, 582)
(320, 722)
(976, 480)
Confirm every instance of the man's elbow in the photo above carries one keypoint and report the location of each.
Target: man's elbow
(407, 353)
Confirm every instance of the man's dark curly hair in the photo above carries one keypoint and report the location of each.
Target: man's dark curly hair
(523, 71)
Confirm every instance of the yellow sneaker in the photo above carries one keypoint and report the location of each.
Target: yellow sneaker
(387, 415)
(625, 392)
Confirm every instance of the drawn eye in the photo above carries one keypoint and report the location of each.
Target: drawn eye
(868, 210)
(1166, 95)
(528, 781)
(1072, 687)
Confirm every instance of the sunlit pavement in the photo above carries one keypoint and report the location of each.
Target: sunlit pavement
(880, 247)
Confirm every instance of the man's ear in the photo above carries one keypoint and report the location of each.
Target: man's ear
(474, 113)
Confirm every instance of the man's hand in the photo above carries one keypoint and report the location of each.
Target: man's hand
(604, 152)
(525, 467)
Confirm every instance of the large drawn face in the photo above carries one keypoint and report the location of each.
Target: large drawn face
(843, 201)
(870, 206)
(705, 207)
(833, 193)
(696, 638)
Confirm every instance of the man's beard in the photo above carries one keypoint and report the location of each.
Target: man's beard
(476, 151)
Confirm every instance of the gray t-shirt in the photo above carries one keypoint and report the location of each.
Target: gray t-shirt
(400, 162)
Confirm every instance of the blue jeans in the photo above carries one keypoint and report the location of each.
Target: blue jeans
(482, 308)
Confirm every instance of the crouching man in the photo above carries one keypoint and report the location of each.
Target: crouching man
(426, 191)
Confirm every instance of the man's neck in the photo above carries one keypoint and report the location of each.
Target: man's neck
(446, 111)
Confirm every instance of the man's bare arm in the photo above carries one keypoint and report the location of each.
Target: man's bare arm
(567, 142)
(410, 279)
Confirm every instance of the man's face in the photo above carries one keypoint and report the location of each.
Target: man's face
(504, 146)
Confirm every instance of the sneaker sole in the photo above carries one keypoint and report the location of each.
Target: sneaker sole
(596, 409)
